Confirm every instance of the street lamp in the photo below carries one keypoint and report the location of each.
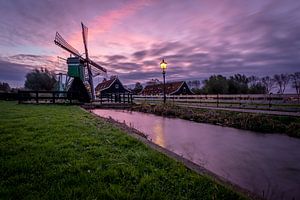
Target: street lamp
(163, 66)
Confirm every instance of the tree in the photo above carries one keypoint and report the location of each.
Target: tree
(194, 84)
(252, 80)
(137, 88)
(216, 84)
(41, 79)
(196, 90)
(238, 84)
(268, 83)
(296, 81)
(257, 88)
(4, 87)
(281, 81)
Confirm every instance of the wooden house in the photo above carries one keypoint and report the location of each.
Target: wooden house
(172, 88)
(112, 86)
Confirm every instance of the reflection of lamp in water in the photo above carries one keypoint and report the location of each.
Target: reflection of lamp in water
(159, 137)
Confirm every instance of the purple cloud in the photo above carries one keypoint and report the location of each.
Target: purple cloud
(197, 39)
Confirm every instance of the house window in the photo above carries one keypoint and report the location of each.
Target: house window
(117, 86)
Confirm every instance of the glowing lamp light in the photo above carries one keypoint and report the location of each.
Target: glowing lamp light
(163, 65)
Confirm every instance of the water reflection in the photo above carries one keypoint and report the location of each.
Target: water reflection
(158, 133)
(266, 164)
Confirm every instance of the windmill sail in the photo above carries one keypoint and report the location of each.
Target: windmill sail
(93, 68)
(84, 37)
(59, 41)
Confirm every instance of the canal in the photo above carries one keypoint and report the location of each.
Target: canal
(266, 164)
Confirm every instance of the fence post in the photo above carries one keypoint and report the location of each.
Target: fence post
(53, 97)
(240, 100)
(270, 98)
(217, 100)
(71, 96)
(19, 96)
(37, 97)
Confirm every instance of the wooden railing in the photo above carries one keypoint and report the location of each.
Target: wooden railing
(30, 96)
(288, 102)
(8, 96)
(45, 97)
(116, 98)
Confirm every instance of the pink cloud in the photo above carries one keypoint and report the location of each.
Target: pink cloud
(105, 22)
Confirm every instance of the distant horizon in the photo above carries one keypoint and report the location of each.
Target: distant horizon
(289, 89)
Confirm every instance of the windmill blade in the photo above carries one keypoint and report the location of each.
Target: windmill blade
(96, 72)
(85, 38)
(97, 66)
(59, 41)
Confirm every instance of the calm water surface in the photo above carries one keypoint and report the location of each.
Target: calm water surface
(266, 164)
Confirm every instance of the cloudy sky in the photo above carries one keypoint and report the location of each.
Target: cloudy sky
(197, 38)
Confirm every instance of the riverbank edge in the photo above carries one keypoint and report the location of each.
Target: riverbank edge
(217, 117)
(187, 163)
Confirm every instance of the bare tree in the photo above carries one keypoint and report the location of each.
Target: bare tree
(253, 80)
(269, 83)
(296, 81)
(196, 83)
(138, 88)
(281, 80)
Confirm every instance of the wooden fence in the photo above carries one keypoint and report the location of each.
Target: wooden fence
(284, 102)
(46, 97)
(8, 96)
(116, 98)
(25, 96)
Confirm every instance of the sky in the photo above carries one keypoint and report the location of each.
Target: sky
(197, 38)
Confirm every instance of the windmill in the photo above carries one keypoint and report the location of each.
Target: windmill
(78, 63)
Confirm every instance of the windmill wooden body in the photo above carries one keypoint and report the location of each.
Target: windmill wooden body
(78, 63)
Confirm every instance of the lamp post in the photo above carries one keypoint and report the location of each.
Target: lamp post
(163, 66)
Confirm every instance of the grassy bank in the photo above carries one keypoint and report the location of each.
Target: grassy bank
(248, 121)
(62, 152)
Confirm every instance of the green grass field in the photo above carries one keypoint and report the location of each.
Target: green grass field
(62, 152)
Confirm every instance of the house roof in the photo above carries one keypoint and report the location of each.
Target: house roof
(105, 84)
(159, 88)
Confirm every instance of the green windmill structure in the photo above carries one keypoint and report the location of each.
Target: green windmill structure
(79, 66)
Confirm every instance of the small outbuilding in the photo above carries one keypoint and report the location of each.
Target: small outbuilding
(109, 87)
(172, 88)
